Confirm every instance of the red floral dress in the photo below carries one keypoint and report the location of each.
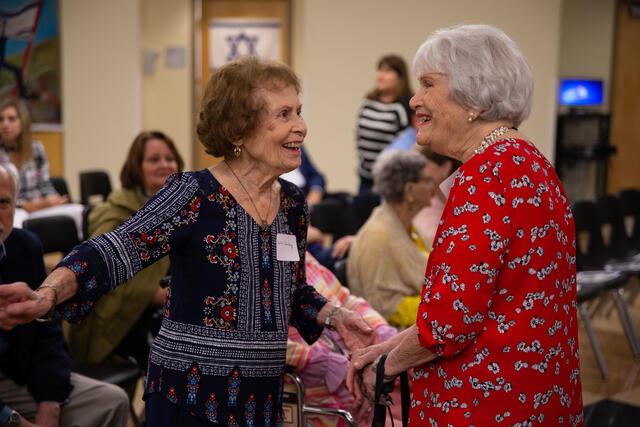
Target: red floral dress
(499, 301)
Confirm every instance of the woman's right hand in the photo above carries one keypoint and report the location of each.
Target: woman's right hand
(359, 360)
(19, 304)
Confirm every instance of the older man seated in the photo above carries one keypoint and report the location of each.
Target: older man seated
(36, 385)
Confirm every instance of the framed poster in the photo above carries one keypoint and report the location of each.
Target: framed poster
(30, 56)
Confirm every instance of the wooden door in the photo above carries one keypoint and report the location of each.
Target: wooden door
(625, 107)
(280, 9)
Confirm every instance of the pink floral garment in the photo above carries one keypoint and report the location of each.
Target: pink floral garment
(499, 301)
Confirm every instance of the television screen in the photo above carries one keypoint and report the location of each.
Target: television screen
(580, 92)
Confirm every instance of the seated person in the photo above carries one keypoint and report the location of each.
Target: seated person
(387, 259)
(117, 329)
(308, 178)
(27, 160)
(323, 365)
(426, 221)
(36, 384)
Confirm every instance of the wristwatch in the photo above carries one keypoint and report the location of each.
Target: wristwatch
(13, 420)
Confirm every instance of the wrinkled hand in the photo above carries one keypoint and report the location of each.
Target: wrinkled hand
(55, 200)
(353, 329)
(48, 414)
(359, 360)
(341, 247)
(19, 305)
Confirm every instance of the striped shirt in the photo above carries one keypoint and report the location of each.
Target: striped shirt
(378, 124)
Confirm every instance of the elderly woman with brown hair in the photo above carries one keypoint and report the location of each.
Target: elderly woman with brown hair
(387, 257)
(496, 336)
(235, 234)
(118, 328)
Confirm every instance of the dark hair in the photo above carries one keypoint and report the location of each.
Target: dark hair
(131, 172)
(231, 109)
(439, 159)
(399, 66)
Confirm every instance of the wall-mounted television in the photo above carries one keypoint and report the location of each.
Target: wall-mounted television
(580, 92)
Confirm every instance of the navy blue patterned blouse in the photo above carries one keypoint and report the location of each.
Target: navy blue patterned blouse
(220, 353)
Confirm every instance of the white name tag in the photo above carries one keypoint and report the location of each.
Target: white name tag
(287, 247)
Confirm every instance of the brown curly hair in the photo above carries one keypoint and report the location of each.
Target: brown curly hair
(231, 109)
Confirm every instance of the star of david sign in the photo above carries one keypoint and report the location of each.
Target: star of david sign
(240, 45)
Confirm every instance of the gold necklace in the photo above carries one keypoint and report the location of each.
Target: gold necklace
(263, 222)
(491, 138)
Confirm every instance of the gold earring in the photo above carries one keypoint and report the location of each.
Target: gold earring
(470, 118)
(236, 151)
(410, 203)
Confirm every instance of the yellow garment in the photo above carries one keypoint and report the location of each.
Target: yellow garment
(406, 312)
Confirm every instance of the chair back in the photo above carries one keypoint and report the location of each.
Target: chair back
(590, 249)
(363, 205)
(60, 184)
(94, 183)
(57, 233)
(618, 244)
(630, 202)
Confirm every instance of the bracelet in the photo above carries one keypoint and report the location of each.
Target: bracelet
(49, 314)
(328, 321)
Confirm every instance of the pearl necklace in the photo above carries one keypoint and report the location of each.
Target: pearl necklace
(491, 138)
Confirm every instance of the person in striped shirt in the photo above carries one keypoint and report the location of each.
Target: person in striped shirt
(384, 113)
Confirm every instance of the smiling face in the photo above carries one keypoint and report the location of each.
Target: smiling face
(275, 146)
(158, 163)
(10, 126)
(442, 122)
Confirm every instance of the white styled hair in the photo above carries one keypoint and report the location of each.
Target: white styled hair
(484, 67)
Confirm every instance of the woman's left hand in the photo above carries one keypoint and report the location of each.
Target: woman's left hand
(353, 329)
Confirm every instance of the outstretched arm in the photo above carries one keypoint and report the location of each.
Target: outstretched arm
(19, 304)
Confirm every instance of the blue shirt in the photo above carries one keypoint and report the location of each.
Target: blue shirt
(406, 140)
(220, 353)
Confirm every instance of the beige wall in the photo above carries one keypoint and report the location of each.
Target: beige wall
(100, 84)
(167, 93)
(336, 44)
(587, 40)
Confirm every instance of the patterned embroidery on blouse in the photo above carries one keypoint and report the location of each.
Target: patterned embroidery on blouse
(266, 301)
(250, 411)
(309, 311)
(268, 409)
(160, 379)
(155, 243)
(220, 312)
(193, 384)
(172, 396)
(233, 388)
(211, 408)
(166, 311)
(264, 248)
(232, 421)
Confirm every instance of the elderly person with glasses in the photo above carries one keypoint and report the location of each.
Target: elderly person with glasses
(387, 257)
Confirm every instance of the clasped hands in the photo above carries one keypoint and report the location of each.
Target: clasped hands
(361, 375)
(19, 304)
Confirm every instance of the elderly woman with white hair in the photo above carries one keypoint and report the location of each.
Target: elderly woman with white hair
(387, 257)
(496, 336)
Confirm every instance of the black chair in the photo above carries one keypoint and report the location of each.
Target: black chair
(630, 203)
(591, 262)
(340, 270)
(94, 183)
(619, 246)
(85, 221)
(57, 233)
(363, 205)
(60, 184)
(329, 216)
